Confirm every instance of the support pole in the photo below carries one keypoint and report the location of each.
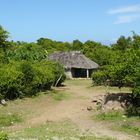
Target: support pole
(87, 73)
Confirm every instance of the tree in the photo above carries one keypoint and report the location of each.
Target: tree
(3, 39)
(77, 45)
(122, 43)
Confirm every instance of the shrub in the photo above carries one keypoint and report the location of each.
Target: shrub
(99, 77)
(25, 79)
(58, 72)
(132, 111)
(10, 82)
(3, 136)
(28, 78)
(43, 76)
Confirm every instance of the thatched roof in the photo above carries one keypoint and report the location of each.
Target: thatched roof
(73, 59)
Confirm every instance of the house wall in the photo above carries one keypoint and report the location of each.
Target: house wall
(68, 73)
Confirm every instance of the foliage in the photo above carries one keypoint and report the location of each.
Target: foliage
(21, 79)
(28, 52)
(4, 44)
(123, 67)
(97, 52)
(52, 46)
(77, 45)
(58, 72)
(3, 136)
(99, 78)
(10, 81)
(133, 110)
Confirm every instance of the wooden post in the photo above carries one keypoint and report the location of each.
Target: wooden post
(87, 73)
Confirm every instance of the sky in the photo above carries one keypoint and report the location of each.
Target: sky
(66, 20)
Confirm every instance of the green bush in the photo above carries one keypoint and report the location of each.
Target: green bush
(10, 82)
(58, 72)
(25, 79)
(43, 76)
(3, 136)
(28, 78)
(133, 111)
(99, 77)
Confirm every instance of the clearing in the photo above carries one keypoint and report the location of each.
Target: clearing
(62, 115)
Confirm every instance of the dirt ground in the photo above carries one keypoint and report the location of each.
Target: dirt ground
(74, 109)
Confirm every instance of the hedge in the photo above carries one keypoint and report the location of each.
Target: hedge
(25, 79)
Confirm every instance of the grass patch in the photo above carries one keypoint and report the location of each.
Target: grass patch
(79, 82)
(120, 122)
(54, 130)
(3, 136)
(9, 119)
(110, 116)
(94, 138)
(129, 128)
(110, 89)
(59, 95)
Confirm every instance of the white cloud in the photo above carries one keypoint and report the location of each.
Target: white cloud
(126, 14)
(126, 19)
(126, 9)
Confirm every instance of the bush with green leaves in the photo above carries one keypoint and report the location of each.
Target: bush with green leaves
(3, 136)
(27, 51)
(58, 72)
(25, 79)
(10, 82)
(99, 78)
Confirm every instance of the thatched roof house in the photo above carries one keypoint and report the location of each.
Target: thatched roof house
(75, 63)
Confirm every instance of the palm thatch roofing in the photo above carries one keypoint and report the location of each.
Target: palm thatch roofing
(73, 59)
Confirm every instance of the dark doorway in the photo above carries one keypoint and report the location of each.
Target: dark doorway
(79, 73)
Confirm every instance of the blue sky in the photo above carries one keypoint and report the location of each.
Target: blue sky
(66, 20)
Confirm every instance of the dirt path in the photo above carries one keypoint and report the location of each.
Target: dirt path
(75, 109)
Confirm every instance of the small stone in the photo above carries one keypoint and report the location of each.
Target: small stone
(89, 108)
(94, 101)
(3, 102)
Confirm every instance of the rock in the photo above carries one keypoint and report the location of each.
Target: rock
(3, 102)
(94, 101)
(113, 105)
(89, 108)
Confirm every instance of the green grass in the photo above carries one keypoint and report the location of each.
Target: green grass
(129, 128)
(65, 130)
(104, 89)
(120, 122)
(109, 116)
(94, 138)
(79, 82)
(9, 119)
(110, 89)
(59, 95)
